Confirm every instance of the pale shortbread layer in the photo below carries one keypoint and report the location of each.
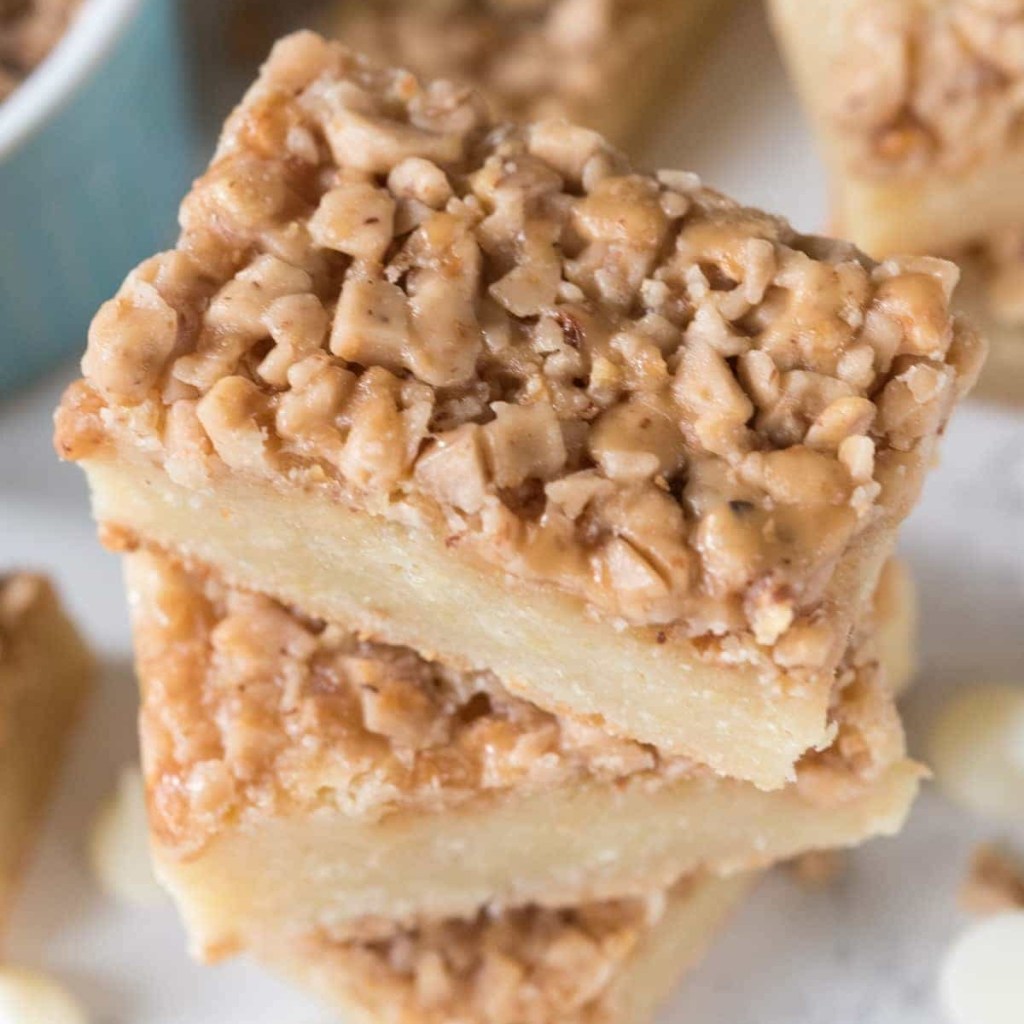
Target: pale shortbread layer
(604, 963)
(325, 872)
(403, 588)
(602, 64)
(917, 109)
(45, 674)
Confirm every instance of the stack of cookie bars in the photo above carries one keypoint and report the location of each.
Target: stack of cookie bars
(504, 535)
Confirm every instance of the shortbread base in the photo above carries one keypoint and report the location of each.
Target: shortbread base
(325, 872)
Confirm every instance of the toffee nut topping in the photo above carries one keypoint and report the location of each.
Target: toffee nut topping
(624, 385)
(531, 964)
(930, 83)
(251, 709)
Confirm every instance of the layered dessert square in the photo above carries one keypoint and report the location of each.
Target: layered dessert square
(917, 105)
(301, 780)
(486, 392)
(45, 674)
(599, 963)
(606, 64)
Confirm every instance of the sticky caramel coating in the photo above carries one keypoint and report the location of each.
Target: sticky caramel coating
(624, 385)
(250, 709)
(929, 84)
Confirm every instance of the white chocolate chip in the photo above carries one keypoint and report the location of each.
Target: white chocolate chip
(977, 750)
(982, 979)
(119, 844)
(27, 997)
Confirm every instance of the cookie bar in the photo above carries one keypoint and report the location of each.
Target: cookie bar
(488, 393)
(302, 780)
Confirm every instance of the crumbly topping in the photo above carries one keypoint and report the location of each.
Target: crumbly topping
(624, 385)
(531, 965)
(532, 59)
(29, 30)
(930, 84)
(994, 883)
(250, 708)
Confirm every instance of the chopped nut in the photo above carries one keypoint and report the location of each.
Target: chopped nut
(355, 218)
(522, 442)
(130, 340)
(230, 414)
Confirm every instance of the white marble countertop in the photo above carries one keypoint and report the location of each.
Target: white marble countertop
(865, 951)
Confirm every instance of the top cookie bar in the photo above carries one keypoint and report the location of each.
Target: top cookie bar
(488, 392)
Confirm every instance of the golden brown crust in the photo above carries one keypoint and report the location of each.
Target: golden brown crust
(929, 84)
(250, 709)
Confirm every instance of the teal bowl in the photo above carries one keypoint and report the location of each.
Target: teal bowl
(96, 149)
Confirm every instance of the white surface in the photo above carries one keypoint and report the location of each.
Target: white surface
(867, 951)
(86, 43)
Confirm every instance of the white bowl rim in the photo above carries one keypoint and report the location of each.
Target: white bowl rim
(89, 39)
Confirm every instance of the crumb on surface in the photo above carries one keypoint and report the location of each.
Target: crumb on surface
(994, 882)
